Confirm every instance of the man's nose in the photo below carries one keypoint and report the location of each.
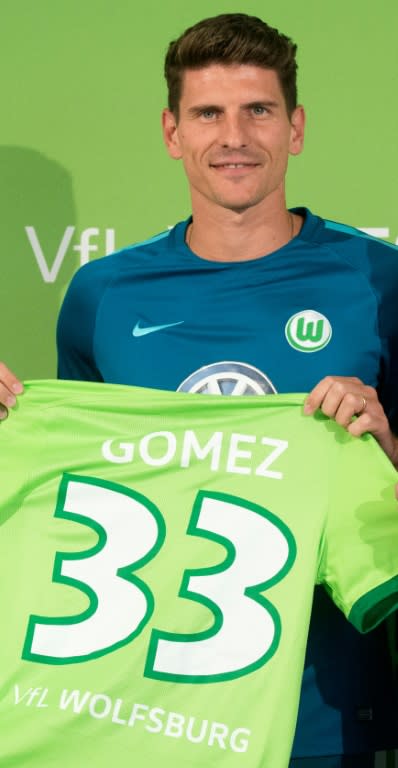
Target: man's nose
(234, 131)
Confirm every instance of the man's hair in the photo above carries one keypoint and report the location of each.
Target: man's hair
(231, 38)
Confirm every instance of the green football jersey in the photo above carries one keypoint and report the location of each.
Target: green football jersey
(158, 553)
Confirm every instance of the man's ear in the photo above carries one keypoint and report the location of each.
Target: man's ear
(170, 134)
(297, 122)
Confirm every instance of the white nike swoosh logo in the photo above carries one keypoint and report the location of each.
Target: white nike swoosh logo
(139, 331)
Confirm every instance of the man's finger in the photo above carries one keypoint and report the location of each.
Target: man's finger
(317, 395)
(9, 381)
(10, 387)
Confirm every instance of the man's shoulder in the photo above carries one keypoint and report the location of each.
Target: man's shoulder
(375, 259)
(132, 256)
(345, 237)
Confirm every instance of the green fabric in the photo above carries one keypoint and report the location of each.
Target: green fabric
(158, 553)
(370, 609)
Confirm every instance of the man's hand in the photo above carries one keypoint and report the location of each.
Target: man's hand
(10, 386)
(343, 397)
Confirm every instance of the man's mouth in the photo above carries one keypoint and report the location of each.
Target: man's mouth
(234, 165)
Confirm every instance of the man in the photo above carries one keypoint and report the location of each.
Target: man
(247, 297)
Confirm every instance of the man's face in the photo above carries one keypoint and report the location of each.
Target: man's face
(233, 135)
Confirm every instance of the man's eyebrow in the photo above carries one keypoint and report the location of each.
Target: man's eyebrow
(198, 108)
(261, 103)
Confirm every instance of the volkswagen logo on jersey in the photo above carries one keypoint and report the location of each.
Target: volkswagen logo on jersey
(308, 331)
(228, 378)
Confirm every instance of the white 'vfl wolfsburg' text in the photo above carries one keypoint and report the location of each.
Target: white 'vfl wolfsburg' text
(236, 453)
(155, 720)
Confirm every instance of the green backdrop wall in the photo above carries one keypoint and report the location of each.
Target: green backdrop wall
(83, 168)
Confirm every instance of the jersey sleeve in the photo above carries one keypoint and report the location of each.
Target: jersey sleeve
(377, 262)
(76, 322)
(359, 563)
(385, 281)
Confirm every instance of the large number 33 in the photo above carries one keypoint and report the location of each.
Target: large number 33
(131, 530)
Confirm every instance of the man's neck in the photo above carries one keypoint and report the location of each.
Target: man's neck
(224, 235)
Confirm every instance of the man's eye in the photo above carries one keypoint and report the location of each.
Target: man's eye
(208, 114)
(259, 110)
